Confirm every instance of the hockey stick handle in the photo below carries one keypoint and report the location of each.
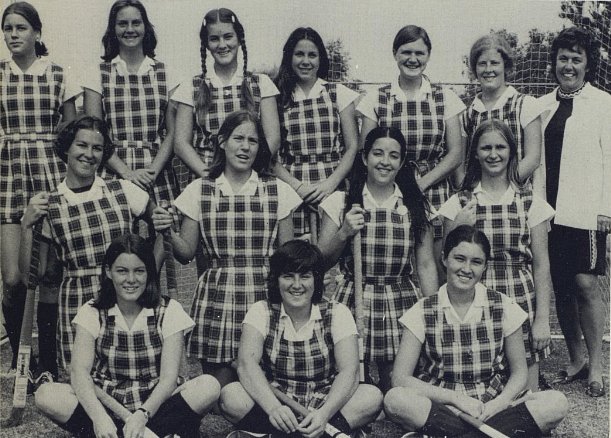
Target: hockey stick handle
(358, 298)
(170, 263)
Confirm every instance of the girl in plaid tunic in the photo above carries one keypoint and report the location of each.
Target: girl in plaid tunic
(204, 101)
(130, 91)
(240, 213)
(515, 220)
(318, 124)
(464, 336)
(394, 222)
(81, 217)
(491, 62)
(34, 94)
(426, 114)
(128, 343)
(307, 348)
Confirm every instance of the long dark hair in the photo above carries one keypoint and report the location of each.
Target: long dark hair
(129, 244)
(286, 80)
(66, 136)
(296, 256)
(203, 98)
(473, 173)
(262, 160)
(110, 41)
(413, 198)
(581, 38)
(30, 13)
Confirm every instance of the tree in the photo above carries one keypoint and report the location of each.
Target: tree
(595, 16)
(339, 61)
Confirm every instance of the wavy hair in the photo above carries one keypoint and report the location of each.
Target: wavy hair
(581, 38)
(66, 136)
(494, 41)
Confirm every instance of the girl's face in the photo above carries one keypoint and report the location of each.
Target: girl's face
(129, 27)
(306, 61)
(85, 154)
(241, 148)
(571, 68)
(296, 289)
(128, 275)
(412, 59)
(223, 43)
(465, 265)
(490, 70)
(493, 153)
(383, 161)
(19, 35)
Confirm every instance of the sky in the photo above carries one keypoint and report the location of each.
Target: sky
(73, 29)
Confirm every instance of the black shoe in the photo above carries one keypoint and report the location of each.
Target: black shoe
(543, 384)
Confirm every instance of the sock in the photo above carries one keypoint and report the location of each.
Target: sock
(13, 304)
(47, 327)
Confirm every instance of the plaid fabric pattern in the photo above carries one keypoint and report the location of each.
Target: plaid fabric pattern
(465, 357)
(303, 369)
(134, 109)
(510, 266)
(388, 290)
(127, 364)
(82, 234)
(509, 113)
(223, 102)
(239, 234)
(423, 127)
(28, 122)
(311, 143)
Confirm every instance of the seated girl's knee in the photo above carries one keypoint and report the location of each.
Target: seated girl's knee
(52, 397)
(394, 400)
(205, 385)
(372, 396)
(235, 402)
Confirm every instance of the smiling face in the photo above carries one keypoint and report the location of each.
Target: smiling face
(490, 70)
(84, 157)
(241, 148)
(19, 35)
(128, 275)
(571, 68)
(306, 61)
(296, 289)
(129, 28)
(412, 59)
(465, 265)
(383, 162)
(493, 153)
(223, 43)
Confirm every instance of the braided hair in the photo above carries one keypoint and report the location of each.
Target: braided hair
(413, 198)
(286, 81)
(203, 99)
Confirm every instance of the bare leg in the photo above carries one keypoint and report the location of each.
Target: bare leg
(56, 401)
(406, 408)
(592, 315)
(363, 407)
(533, 377)
(548, 409)
(568, 317)
(200, 393)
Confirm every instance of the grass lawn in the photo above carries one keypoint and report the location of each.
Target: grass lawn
(588, 417)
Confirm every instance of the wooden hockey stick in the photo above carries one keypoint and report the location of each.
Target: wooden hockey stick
(313, 228)
(303, 412)
(118, 409)
(480, 425)
(25, 338)
(358, 299)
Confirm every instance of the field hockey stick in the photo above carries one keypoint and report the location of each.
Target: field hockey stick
(480, 425)
(303, 412)
(313, 228)
(25, 338)
(358, 298)
(170, 272)
(118, 409)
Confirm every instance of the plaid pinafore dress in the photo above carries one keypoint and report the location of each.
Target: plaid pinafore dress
(388, 290)
(28, 125)
(311, 143)
(223, 101)
(134, 109)
(127, 364)
(423, 126)
(508, 113)
(82, 233)
(509, 269)
(302, 369)
(468, 358)
(239, 235)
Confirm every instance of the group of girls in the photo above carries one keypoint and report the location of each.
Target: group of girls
(264, 154)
